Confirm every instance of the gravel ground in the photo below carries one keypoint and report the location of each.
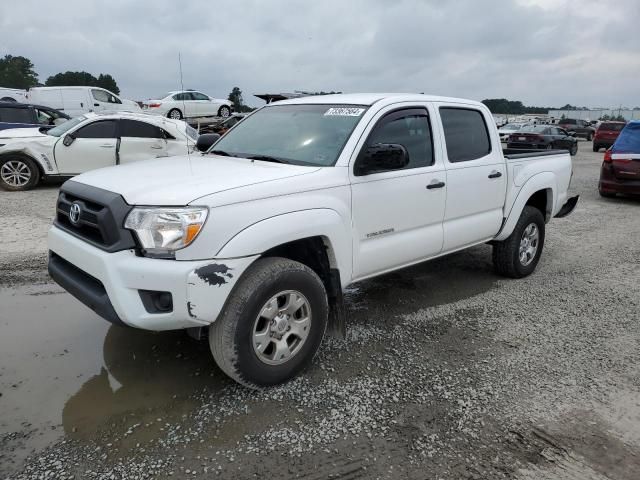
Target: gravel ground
(447, 371)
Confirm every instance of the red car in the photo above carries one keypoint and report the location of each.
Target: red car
(606, 134)
(620, 172)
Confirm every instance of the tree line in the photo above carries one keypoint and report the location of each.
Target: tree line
(515, 107)
(19, 72)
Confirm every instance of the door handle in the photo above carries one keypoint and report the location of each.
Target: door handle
(156, 147)
(495, 174)
(435, 184)
(107, 146)
(96, 104)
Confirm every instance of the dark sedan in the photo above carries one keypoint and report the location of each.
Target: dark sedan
(25, 115)
(543, 137)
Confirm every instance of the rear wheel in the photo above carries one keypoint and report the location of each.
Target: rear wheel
(272, 325)
(518, 255)
(18, 172)
(224, 111)
(175, 114)
(596, 147)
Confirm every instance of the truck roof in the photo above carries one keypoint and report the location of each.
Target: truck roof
(371, 98)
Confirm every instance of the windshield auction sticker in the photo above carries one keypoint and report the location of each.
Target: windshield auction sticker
(344, 112)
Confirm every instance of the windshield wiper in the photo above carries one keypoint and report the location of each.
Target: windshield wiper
(222, 153)
(267, 158)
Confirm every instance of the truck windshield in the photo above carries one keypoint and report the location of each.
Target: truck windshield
(298, 134)
(66, 126)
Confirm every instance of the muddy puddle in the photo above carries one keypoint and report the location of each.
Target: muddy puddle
(66, 372)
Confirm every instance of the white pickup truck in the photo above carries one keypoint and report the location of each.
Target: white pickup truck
(257, 238)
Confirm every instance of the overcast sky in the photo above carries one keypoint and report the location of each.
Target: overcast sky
(543, 52)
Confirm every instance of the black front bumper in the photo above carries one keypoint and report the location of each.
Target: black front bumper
(84, 287)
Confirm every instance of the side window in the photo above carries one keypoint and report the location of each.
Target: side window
(465, 133)
(409, 128)
(16, 115)
(180, 97)
(100, 96)
(100, 129)
(133, 128)
(199, 96)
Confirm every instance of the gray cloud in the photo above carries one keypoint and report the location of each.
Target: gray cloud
(543, 52)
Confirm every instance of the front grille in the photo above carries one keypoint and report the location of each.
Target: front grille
(101, 218)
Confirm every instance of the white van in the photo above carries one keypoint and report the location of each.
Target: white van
(12, 95)
(75, 101)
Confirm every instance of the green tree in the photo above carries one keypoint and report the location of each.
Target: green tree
(107, 82)
(83, 79)
(235, 97)
(17, 72)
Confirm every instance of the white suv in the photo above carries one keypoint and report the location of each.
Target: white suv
(188, 104)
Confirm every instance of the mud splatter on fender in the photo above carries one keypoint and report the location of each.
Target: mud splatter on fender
(215, 274)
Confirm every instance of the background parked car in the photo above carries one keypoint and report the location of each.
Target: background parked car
(75, 101)
(606, 134)
(581, 128)
(223, 127)
(91, 141)
(23, 115)
(12, 95)
(188, 104)
(546, 137)
(508, 129)
(620, 171)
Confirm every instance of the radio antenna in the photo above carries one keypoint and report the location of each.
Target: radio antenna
(184, 107)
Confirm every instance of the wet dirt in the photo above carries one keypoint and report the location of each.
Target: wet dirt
(447, 371)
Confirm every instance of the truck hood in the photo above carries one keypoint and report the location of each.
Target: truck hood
(21, 133)
(181, 180)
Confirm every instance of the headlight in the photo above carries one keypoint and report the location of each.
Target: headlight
(161, 231)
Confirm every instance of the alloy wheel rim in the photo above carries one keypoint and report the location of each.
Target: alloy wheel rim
(529, 243)
(282, 327)
(175, 115)
(15, 173)
(224, 112)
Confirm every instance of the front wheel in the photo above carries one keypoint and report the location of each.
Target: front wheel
(518, 255)
(272, 324)
(596, 147)
(224, 111)
(18, 172)
(574, 150)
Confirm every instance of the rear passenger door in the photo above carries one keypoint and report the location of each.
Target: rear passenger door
(140, 141)
(397, 214)
(476, 176)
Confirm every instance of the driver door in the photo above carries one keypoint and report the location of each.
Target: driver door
(94, 146)
(397, 214)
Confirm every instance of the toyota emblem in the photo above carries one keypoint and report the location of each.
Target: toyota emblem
(74, 213)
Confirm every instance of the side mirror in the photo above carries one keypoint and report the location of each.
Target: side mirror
(68, 140)
(205, 141)
(382, 157)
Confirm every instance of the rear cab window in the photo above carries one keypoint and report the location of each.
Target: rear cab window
(466, 134)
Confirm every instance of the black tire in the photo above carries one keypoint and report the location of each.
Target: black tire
(175, 113)
(224, 111)
(506, 258)
(231, 335)
(596, 147)
(12, 161)
(574, 150)
(606, 194)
